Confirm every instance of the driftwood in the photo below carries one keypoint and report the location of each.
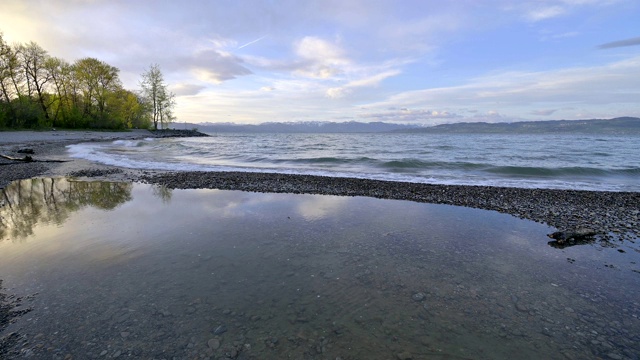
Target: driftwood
(28, 158)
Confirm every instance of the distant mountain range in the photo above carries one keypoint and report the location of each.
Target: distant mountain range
(621, 125)
(300, 127)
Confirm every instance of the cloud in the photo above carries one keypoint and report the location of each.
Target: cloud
(543, 112)
(374, 80)
(516, 91)
(324, 60)
(320, 59)
(535, 11)
(544, 13)
(406, 115)
(186, 89)
(215, 66)
(621, 43)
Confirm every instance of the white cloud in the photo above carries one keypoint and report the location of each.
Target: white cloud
(186, 89)
(370, 81)
(516, 91)
(215, 66)
(256, 60)
(319, 58)
(544, 13)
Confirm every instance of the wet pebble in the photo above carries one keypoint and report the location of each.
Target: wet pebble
(214, 344)
(221, 329)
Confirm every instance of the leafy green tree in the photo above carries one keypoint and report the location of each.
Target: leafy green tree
(160, 100)
(38, 90)
(128, 110)
(96, 80)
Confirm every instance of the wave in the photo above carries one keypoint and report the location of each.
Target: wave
(330, 160)
(133, 143)
(417, 164)
(576, 171)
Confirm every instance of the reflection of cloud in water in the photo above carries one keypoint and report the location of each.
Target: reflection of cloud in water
(233, 204)
(318, 207)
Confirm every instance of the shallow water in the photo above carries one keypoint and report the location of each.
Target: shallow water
(129, 270)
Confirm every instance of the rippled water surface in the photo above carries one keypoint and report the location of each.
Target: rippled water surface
(121, 270)
(563, 161)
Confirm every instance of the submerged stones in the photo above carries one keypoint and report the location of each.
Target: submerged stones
(571, 237)
(418, 296)
(562, 209)
(220, 330)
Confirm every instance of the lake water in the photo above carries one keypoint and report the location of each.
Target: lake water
(587, 162)
(121, 270)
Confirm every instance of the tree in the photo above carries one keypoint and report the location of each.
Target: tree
(11, 75)
(33, 60)
(59, 71)
(97, 80)
(159, 99)
(127, 110)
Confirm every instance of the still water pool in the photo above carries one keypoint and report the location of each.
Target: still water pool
(121, 270)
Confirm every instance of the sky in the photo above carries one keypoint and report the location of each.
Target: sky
(422, 62)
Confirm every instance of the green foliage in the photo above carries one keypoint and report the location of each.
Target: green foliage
(40, 91)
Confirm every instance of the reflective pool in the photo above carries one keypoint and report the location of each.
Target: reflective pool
(121, 270)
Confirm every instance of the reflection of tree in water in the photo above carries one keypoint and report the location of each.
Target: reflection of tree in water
(162, 192)
(24, 203)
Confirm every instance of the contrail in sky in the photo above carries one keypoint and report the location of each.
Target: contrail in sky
(252, 42)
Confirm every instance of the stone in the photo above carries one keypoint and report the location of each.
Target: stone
(214, 344)
(418, 296)
(220, 330)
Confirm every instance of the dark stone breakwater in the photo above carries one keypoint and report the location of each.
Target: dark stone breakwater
(614, 216)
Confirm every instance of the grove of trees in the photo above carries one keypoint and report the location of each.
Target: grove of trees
(41, 91)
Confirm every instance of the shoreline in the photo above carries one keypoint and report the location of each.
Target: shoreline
(615, 216)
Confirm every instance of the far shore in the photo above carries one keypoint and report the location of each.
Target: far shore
(613, 215)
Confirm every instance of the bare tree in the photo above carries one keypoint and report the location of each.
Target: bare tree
(159, 99)
(33, 59)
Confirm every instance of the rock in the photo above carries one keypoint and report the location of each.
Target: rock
(521, 307)
(418, 296)
(404, 356)
(220, 330)
(578, 234)
(214, 344)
